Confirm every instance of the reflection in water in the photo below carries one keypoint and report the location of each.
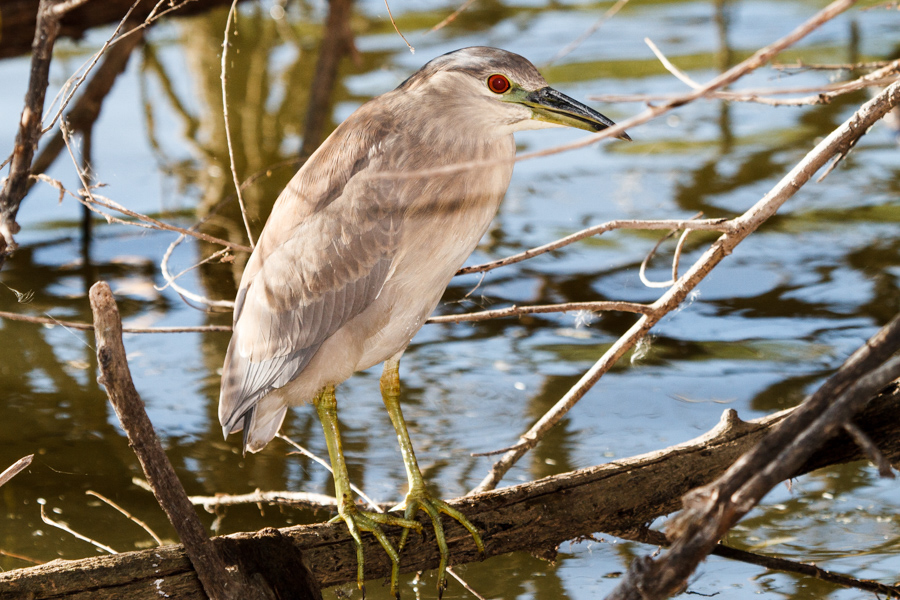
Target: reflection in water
(770, 323)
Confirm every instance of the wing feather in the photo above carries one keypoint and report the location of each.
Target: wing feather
(322, 258)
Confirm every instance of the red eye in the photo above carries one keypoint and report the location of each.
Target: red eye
(498, 84)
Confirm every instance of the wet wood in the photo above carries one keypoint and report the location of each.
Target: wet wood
(536, 516)
(208, 561)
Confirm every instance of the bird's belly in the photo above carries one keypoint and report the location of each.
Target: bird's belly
(433, 252)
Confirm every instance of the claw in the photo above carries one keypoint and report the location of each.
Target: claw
(357, 521)
(420, 499)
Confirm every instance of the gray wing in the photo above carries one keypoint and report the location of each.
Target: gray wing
(323, 257)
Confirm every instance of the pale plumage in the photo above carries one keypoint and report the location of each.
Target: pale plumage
(359, 248)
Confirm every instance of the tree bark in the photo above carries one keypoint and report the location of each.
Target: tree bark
(537, 516)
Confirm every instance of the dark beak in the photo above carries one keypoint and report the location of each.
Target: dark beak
(555, 107)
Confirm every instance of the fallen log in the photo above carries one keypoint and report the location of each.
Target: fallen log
(538, 516)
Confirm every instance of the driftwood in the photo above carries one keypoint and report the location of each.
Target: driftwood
(620, 497)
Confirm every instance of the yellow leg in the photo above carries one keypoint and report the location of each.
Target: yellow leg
(356, 519)
(418, 497)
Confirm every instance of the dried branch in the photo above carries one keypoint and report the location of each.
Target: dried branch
(515, 311)
(304, 452)
(87, 108)
(29, 132)
(610, 13)
(304, 499)
(69, 530)
(88, 327)
(452, 16)
(116, 378)
(74, 82)
(868, 446)
(720, 225)
(759, 58)
(837, 142)
(170, 280)
(127, 515)
(397, 29)
(822, 94)
(92, 200)
(15, 468)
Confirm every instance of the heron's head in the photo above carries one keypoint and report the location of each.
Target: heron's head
(489, 87)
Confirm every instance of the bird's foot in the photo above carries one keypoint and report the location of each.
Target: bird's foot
(357, 521)
(418, 499)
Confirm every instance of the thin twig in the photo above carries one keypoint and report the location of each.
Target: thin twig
(67, 529)
(73, 83)
(89, 327)
(15, 468)
(170, 281)
(397, 29)
(822, 94)
(800, 65)
(224, 77)
(452, 16)
(642, 272)
(657, 538)
(33, 561)
(128, 515)
(306, 499)
(303, 451)
(678, 73)
(514, 311)
(146, 221)
(759, 58)
(610, 13)
(720, 225)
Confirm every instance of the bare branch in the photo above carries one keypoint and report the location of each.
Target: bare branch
(15, 468)
(67, 529)
(610, 13)
(304, 452)
(515, 311)
(219, 583)
(88, 327)
(29, 132)
(397, 29)
(721, 225)
(304, 499)
(127, 515)
(452, 16)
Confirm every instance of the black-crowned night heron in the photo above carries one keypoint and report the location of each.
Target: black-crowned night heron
(359, 249)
